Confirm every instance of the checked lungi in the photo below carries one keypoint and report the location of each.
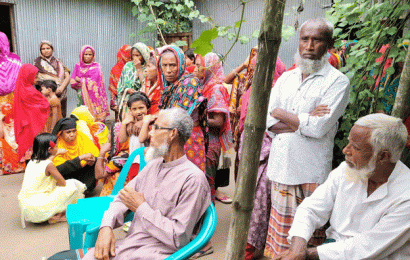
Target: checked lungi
(285, 200)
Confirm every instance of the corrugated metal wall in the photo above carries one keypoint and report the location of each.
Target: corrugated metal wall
(69, 24)
(228, 12)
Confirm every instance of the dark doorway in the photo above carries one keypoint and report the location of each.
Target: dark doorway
(6, 23)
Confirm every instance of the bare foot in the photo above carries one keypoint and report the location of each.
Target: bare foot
(59, 217)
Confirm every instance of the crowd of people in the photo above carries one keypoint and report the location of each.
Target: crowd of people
(188, 114)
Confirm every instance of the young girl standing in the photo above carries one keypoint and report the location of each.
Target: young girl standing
(48, 89)
(45, 194)
(135, 126)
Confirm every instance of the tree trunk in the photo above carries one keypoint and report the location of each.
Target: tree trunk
(401, 104)
(255, 124)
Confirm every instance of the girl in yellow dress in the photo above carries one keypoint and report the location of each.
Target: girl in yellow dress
(45, 194)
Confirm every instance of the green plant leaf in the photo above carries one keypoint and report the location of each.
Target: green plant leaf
(287, 32)
(203, 44)
(238, 23)
(244, 39)
(392, 31)
(135, 10)
(256, 33)
(181, 43)
(390, 70)
(194, 14)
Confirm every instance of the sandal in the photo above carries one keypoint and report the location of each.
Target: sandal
(203, 253)
(224, 199)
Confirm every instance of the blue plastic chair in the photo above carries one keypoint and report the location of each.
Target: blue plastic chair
(200, 241)
(86, 214)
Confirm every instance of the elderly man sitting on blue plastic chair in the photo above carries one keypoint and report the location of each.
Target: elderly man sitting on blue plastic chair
(169, 196)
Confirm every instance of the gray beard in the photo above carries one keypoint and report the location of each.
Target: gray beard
(308, 66)
(361, 175)
(154, 153)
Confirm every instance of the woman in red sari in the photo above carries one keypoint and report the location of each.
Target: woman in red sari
(123, 56)
(210, 72)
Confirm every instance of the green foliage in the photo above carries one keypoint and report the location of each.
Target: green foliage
(372, 25)
(174, 16)
(203, 44)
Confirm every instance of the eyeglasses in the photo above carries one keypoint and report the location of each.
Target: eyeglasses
(156, 127)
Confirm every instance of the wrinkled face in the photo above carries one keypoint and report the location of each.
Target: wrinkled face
(200, 70)
(151, 72)
(159, 134)
(138, 110)
(135, 54)
(358, 151)
(46, 50)
(88, 56)
(169, 67)
(45, 91)
(313, 42)
(69, 135)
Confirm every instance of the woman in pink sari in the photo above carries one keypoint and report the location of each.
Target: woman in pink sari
(9, 68)
(88, 80)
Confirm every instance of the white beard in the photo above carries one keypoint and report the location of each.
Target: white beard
(154, 153)
(361, 175)
(308, 66)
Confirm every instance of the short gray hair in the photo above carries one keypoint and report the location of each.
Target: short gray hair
(329, 27)
(179, 119)
(388, 133)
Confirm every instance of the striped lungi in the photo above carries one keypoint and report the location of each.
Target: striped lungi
(285, 200)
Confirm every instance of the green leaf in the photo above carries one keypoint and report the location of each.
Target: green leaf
(181, 43)
(390, 70)
(189, 3)
(193, 14)
(231, 36)
(132, 35)
(392, 31)
(255, 33)
(203, 44)
(135, 10)
(203, 18)
(287, 32)
(244, 39)
(238, 23)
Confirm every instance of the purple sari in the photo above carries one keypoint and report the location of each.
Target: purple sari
(10, 64)
(91, 86)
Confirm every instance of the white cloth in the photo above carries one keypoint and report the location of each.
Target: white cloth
(305, 156)
(134, 144)
(364, 227)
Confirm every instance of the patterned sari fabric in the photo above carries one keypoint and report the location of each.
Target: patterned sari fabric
(218, 97)
(130, 79)
(9, 68)
(186, 93)
(123, 56)
(241, 84)
(9, 161)
(52, 69)
(116, 160)
(91, 88)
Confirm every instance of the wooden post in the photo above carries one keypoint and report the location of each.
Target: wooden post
(255, 123)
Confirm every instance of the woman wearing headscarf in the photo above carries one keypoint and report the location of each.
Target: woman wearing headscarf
(31, 109)
(51, 68)
(132, 76)
(88, 80)
(153, 84)
(10, 64)
(209, 70)
(185, 92)
(123, 56)
(79, 160)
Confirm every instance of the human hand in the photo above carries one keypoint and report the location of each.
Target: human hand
(148, 119)
(131, 198)
(320, 111)
(59, 91)
(61, 151)
(77, 78)
(88, 158)
(105, 245)
(131, 91)
(105, 148)
(290, 255)
(137, 62)
(128, 118)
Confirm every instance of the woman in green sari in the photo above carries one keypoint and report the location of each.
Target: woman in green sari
(132, 77)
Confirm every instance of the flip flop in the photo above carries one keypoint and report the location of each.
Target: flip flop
(203, 253)
(225, 199)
